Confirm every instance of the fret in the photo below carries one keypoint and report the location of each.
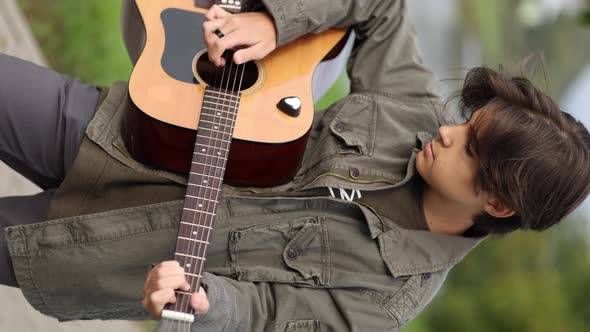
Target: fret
(229, 115)
(197, 257)
(218, 110)
(207, 206)
(217, 128)
(202, 226)
(217, 139)
(221, 104)
(200, 186)
(193, 240)
(202, 146)
(219, 93)
(215, 116)
(206, 199)
(217, 124)
(215, 133)
(210, 176)
(199, 211)
(196, 163)
(199, 157)
(236, 103)
(212, 194)
(204, 149)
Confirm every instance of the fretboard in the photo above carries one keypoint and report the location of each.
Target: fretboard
(213, 139)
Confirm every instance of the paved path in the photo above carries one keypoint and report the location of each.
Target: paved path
(15, 312)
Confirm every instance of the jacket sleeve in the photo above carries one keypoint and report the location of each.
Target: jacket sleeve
(261, 306)
(386, 59)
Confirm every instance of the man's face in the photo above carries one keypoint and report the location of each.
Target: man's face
(449, 166)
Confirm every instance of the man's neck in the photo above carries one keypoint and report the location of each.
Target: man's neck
(445, 216)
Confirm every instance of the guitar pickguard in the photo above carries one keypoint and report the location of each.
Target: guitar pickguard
(184, 39)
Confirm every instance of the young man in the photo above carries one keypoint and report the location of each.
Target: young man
(498, 172)
(293, 257)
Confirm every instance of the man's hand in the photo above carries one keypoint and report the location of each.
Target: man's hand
(255, 32)
(160, 285)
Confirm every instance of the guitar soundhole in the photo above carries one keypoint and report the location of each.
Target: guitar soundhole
(228, 76)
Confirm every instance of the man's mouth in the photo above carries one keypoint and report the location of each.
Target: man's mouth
(430, 150)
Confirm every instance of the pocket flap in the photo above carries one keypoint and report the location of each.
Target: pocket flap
(290, 251)
(308, 251)
(356, 123)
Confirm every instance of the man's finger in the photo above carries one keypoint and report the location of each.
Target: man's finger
(231, 40)
(163, 272)
(216, 12)
(210, 26)
(157, 300)
(172, 282)
(255, 52)
(199, 302)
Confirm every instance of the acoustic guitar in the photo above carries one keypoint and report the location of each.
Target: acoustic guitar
(187, 113)
(173, 78)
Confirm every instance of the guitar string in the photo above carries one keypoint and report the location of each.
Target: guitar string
(212, 202)
(186, 307)
(199, 194)
(229, 102)
(180, 305)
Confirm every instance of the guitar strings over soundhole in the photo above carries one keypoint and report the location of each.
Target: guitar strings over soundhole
(208, 74)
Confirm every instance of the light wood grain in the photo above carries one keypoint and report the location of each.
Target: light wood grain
(288, 72)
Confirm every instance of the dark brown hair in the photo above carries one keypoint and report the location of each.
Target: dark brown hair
(532, 156)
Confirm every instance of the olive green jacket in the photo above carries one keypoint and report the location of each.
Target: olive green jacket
(278, 261)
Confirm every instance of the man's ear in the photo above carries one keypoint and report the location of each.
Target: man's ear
(496, 208)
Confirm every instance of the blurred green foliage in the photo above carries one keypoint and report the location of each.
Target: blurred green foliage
(81, 38)
(585, 16)
(522, 282)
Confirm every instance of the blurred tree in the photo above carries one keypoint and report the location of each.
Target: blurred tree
(585, 16)
(81, 38)
(522, 282)
(525, 281)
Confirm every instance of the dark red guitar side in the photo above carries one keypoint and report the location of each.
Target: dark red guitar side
(254, 164)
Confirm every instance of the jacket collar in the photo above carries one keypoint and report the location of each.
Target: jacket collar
(408, 252)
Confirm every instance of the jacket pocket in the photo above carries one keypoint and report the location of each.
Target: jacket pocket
(289, 251)
(345, 129)
(355, 125)
(93, 266)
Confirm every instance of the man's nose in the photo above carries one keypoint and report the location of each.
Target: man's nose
(444, 132)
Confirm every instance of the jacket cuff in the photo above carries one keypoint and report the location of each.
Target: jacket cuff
(290, 19)
(225, 313)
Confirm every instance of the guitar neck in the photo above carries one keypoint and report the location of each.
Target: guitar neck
(210, 155)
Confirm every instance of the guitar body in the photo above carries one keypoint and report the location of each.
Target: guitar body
(167, 88)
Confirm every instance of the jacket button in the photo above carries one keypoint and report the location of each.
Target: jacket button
(291, 253)
(426, 276)
(354, 173)
(339, 127)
